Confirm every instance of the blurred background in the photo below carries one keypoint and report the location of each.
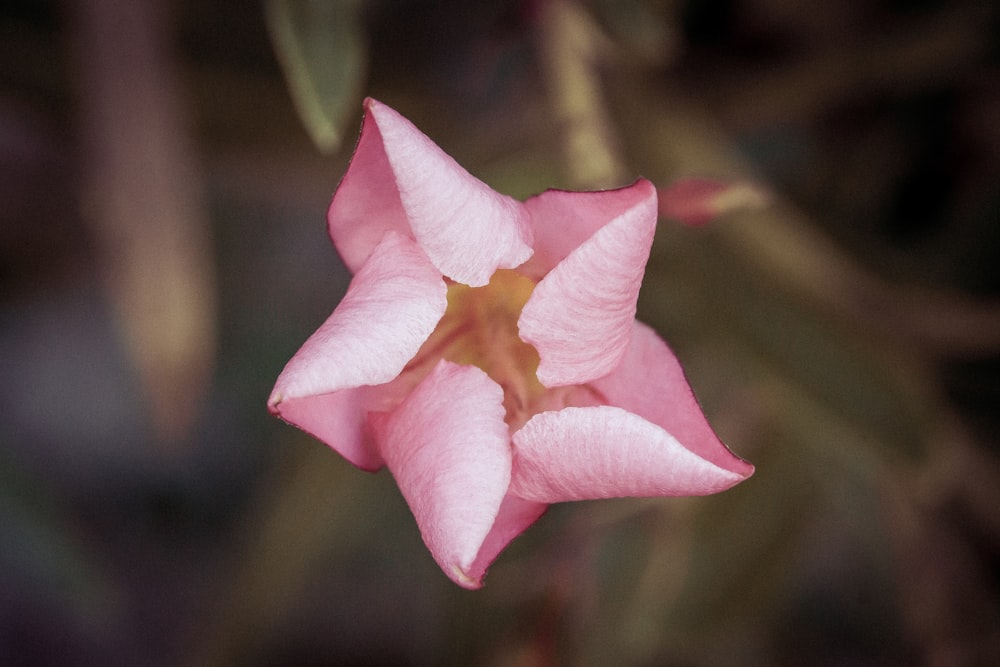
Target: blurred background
(165, 169)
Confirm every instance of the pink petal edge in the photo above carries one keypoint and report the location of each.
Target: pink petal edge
(580, 315)
(467, 229)
(607, 452)
(390, 309)
(515, 516)
(366, 202)
(448, 448)
(563, 220)
(650, 382)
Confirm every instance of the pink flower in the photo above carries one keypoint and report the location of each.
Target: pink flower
(487, 351)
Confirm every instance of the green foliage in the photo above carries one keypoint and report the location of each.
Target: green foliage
(322, 52)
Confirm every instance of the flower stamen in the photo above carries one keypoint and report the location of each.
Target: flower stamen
(479, 328)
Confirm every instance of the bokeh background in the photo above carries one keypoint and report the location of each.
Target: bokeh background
(164, 173)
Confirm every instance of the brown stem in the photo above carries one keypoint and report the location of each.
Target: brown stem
(571, 47)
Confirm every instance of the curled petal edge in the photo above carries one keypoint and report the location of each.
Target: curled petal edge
(399, 180)
(580, 315)
(650, 382)
(390, 309)
(607, 452)
(448, 448)
(563, 220)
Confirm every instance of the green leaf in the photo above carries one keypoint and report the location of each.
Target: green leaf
(321, 49)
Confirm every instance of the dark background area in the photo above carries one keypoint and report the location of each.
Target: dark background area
(845, 338)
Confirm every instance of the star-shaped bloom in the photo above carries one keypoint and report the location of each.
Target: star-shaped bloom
(487, 351)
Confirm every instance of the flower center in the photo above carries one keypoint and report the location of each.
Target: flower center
(479, 328)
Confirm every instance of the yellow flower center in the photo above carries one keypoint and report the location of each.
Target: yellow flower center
(479, 328)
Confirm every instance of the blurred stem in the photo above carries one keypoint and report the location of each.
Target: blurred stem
(909, 56)
(796, 254)
(949, 615)
(142, 199)
(571, 46)
(680, 140)
(296, 522)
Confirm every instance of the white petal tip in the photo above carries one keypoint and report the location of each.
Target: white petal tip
(464, 580)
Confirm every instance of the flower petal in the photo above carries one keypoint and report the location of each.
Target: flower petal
(338, 419)
(650, 382)
(515, 515)
(390, 309)
(366, 203)
(467, 229)
(448, 447)
(580, 315)
(606, 452)
(562, 220)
